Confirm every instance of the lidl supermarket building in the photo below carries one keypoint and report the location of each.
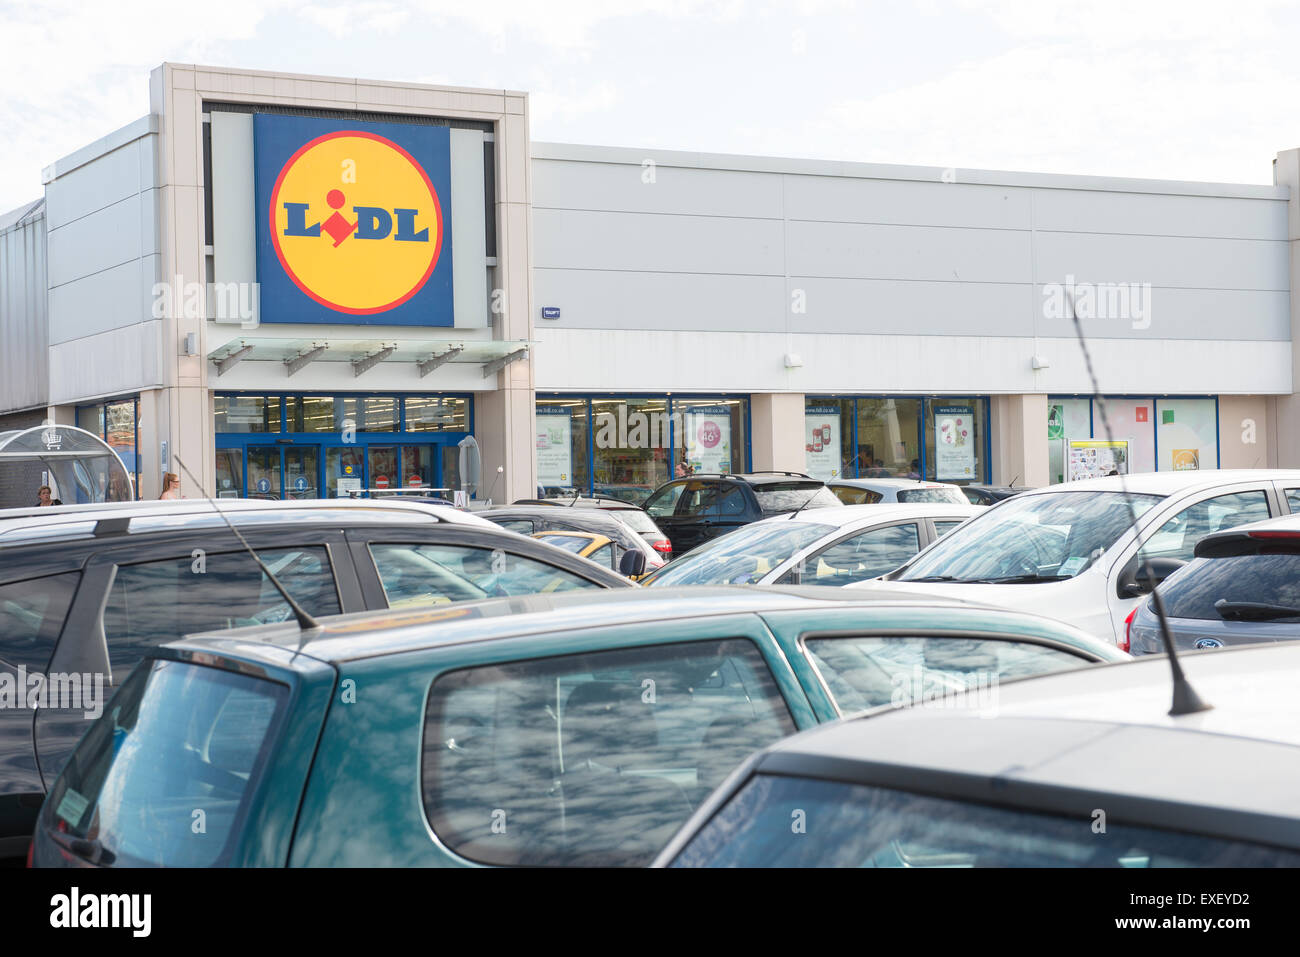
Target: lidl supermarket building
(299, 286)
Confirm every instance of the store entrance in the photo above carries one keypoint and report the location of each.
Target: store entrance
(334, 469)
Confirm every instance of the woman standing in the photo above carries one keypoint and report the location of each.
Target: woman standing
(171, 486)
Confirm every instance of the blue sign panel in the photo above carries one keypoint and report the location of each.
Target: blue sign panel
(353, 221)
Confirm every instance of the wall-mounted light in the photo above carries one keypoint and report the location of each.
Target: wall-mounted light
(793, 361)
(1040, 362)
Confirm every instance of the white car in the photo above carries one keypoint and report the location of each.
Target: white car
(1072, 551)
(871, 491)
(816, 546)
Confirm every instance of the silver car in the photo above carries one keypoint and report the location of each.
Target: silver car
(816, 546)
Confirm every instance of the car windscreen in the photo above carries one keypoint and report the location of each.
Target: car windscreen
(177, 739)
(1247, 581)
(742, 556)
(948, 496)
(780, 821)
(1047, 537)
(777, 497)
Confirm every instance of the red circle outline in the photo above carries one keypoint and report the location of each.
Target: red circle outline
(275, 233)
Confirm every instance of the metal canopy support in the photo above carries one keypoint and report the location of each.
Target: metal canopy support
(232, 360)
(304, 360)
(431, 363)
(369, 362)
(496, 365)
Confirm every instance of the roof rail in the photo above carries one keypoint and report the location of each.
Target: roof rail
(778, 472)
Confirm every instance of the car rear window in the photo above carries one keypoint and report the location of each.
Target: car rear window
(777, 497)
(1260, 579)
(635, 519)
(164, 776)
(949, 496)
(805, 822)
(31, 617)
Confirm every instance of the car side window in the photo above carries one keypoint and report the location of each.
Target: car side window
(604, 556)
(860, 557)
(1293, 499)
(731, 502)
(943, 528)
(524, 526)
(663, 504)
(155, 602)
(31, 616)
(700, 499)
(872, 670)
(591, 759)
(419, 575)
(1178, 536)
(851, 495)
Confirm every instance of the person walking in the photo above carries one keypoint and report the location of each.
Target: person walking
(171, 486)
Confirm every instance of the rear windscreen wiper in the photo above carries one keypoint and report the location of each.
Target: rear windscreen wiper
(1022, 579)
(1253, 610)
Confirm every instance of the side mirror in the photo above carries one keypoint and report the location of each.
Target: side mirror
(1142, 578)
(632, 564)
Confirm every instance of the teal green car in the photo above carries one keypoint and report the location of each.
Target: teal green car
(580, 728)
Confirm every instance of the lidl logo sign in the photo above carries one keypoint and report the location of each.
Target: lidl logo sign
(353, 222)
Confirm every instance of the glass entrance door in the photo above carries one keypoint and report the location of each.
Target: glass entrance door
(264, 471)
(343, 470)
(381, 461)
(302, 472)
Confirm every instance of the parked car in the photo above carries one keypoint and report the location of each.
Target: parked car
(817, 546)
(90, 589)
(1072, 550)
(532, 518)
(871, 491)
(695, 509)
(633, 516)
(1241, 587)
(548, 730)
(990, 494)
(1084, 769)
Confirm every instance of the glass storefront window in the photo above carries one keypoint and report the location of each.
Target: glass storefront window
(1187, 434)
(230, 473)
(436, 414)
(888, 432)
(246, 413)
(954, 439)
(631, 439)
(1066, 419)
(324, 413)
(312, 413)
(561, 446)
(264, 472)
(828, 438)
(1132, 419)
(117, 424)
(714, 435)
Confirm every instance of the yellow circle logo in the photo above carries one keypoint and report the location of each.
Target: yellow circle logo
(356, 222)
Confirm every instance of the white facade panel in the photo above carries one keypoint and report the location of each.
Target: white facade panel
(1187, 262)
(98, 184)
(97, 241)
(598, 361)
(1158, 214)
(111, 299)
(645, 187)
(234, 234)
(469, 231)
(841, 199)
(112, 363)
(641, 242)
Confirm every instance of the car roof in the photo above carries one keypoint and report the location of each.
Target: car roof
(1105, 729)
(752, 478)
(594, 516)
(76, 521)
(371, 634)
(1169, 483)
(840, 516)
(899, 483)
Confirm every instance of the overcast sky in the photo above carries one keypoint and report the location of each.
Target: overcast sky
(1171, 90)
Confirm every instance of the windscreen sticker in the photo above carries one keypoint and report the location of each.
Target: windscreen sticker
(72, 807)
(1072, 566)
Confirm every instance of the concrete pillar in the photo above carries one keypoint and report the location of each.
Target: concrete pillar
(776, 431)
(1286, 172)
(1244, 432)
(1019, 424)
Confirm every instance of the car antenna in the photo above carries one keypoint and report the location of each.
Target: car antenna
(305, 621)
(1186, 700)
(1014, 481)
